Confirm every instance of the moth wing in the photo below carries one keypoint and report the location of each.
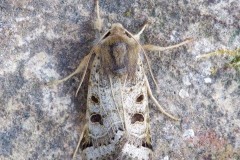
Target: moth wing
(136, 117)
(104, 135)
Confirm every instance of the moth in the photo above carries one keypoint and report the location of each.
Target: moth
(117, 101)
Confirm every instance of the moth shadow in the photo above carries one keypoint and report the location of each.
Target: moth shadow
(68, 55)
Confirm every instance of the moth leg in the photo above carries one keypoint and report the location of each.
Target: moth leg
(220, 52)
(83, 135)
(156, 102)
(150, 47)
(137, 36)
(97, 20)
(83, 63)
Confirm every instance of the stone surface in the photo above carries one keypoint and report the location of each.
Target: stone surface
(45, 40)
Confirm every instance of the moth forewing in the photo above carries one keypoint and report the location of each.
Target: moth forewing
(105, 123)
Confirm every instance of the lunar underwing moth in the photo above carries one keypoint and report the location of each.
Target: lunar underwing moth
(118, 90)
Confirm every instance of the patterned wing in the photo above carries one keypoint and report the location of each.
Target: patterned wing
(136, 118)
(104, 135)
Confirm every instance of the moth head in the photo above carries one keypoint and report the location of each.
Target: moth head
(117, 28)
(119, 52)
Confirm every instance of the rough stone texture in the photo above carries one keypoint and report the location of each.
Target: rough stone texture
(45, 40)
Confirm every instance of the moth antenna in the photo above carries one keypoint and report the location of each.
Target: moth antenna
(110, 79)
(84, 73)
(76, 71)
(156, 102)
(75, 152)
(98, 22)
(151, 47)
(150, 69)
(97, 8)
(137, 36)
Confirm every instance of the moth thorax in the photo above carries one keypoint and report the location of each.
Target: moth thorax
(118, 52)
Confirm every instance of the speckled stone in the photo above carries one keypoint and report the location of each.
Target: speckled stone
(45, 40)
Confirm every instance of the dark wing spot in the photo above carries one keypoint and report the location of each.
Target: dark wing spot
(137, 117)
(94, 99)
(120, 128)
(140, 98)
(96, 118)
(147, 145)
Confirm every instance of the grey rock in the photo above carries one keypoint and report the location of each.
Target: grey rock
(45, 40)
